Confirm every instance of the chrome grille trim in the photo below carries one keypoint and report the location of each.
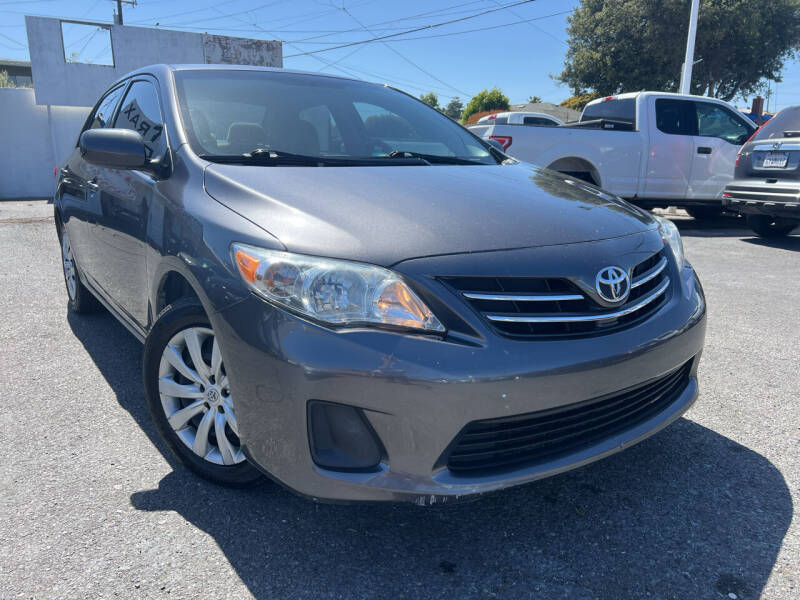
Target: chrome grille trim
(567, 318)
(523, 297)
(651, 274)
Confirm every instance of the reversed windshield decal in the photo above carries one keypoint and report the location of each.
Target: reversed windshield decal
(132, 117)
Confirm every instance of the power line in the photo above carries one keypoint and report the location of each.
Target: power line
(348, 71)
(547, 33)
(10, 39)
(441, 35)
(222, 15)
(397, 20)
(422, 28)
(405, 58)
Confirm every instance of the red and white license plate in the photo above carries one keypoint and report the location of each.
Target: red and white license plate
(775, 160)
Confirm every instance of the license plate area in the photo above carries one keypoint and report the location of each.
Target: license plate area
(775, 160)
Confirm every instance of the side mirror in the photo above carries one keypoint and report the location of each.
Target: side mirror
(114, 148)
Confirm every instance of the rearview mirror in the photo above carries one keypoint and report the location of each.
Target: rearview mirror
(114, 148)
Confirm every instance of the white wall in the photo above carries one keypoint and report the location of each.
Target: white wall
(34, 140)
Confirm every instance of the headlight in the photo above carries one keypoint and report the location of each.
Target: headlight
(334, 291)
(671, 236)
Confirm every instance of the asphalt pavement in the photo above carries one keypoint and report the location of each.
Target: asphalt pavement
(91, 508)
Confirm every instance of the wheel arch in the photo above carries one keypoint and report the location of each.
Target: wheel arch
(575, 165)
(172, 287)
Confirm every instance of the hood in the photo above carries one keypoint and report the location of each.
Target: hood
(383, 215)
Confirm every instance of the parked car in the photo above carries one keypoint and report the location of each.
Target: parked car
(338, 286)
(766, 185)
(654, 149)
(534, 119)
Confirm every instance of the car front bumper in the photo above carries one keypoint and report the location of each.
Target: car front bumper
(418, 392)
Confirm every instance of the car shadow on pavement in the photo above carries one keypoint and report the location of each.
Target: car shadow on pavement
(723, 226)
(791, 242)
(687, 513)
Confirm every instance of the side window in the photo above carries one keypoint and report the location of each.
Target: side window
(105, 110)
(717, 121)
(538, 121)
(141, 112)
(613, 110)
(676, 117)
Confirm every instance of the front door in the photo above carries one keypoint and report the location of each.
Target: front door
(78, 193)
(720, 135)
(125, 199)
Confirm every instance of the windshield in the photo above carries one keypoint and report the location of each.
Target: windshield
(788, 120)
(229, 114)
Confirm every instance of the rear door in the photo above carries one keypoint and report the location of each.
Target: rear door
(720, 134)
(671, 145)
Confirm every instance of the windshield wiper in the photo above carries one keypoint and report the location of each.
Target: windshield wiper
(266, 156)
(433, 158)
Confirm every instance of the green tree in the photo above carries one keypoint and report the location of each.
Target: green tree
(430, 99)
(5, 82)
(454, 108)
(630, 45)
(492, 99)
(534, 99)
(579, 101)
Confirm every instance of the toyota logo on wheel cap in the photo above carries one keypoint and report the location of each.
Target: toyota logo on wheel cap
(613, 284)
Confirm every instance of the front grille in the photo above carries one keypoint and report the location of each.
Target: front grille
(537, 307)
(535, 437)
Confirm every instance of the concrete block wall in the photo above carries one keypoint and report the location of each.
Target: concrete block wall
(35, 140)
(65, 83)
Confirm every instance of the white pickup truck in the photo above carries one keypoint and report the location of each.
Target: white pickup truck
(653, 148)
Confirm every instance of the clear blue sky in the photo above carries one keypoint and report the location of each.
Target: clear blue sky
(516, 49)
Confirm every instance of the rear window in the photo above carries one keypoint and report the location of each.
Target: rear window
(786, 120)
(616, 110)
(539, 122)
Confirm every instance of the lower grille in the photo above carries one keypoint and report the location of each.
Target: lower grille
(531, 438)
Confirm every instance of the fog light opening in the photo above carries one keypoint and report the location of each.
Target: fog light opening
(341, 438)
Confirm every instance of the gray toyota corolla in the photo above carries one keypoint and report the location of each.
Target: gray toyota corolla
(341, 288)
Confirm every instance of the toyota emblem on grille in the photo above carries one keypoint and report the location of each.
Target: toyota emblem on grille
(613, 284)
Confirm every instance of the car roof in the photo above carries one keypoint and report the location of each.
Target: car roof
(518, 112)
(162, 70)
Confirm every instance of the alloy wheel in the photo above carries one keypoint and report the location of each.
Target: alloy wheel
(196, 398)
(68, 262)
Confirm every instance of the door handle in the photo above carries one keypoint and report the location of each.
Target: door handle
(703, 150)
(91, 184)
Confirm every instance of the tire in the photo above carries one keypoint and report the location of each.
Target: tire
(769, 227)
(201, 413)
(81, 300)
(704, 213)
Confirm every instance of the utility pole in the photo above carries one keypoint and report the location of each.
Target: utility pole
(118, 14)
(688, 62)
